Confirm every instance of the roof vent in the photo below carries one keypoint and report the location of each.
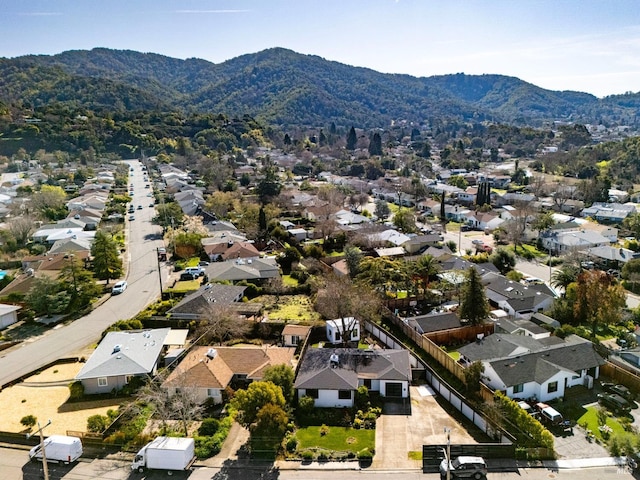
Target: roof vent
(212, 353)
(117, 348)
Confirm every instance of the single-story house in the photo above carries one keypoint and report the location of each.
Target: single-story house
(195, 305)
(332, 376)
(8, 315)
(523, 367)
(336, 330)
(209, 370)
(434, 321)
(121, 356)
(294, 335)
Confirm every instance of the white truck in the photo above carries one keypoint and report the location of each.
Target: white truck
(58, 448)
(165, 453)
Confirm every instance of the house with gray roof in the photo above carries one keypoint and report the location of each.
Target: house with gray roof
(519, 301)
(196, 305)
(121, 356)
(332, 376)
(241, 269)
(434, 322)
(523, 367)
(561, 242)
(609, 212)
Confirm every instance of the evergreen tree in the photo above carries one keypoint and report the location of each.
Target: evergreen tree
(352, 139)
(375, 144)
(473, 302)
(107, 263)
(287, 139)
(442, 212)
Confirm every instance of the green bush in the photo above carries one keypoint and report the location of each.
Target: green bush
(28, 421)
(76, 391)
(292, 444)
(307, 455)
(365, 454)
(97, 423)
(208, 427)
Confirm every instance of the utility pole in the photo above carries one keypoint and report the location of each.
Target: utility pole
(159, 271)
(45, 467)
(448, 432)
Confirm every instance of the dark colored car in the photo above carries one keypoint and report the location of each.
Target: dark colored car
(618, 389)
(614, 402)
(187, 276)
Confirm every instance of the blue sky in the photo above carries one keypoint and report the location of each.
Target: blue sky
(584, 45)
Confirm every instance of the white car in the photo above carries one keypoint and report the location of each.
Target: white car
(119, 287)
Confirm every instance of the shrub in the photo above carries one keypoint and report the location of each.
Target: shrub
(324, 430)
(307, 455)
(306, 404)
(76, 391)
(292, 444)
(97, 423)
(208, 427)
(28, 421)
(365, 454)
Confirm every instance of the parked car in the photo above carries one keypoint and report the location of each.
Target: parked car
(618, 389)
(464, 467)
(614, 402)
(139, 207)
(195, 271)
(132, 217)
(465, 228)
(119, 287)
(187, 276)
(477, 242)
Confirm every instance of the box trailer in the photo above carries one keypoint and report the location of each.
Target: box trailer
(165, 453)
(58, 448)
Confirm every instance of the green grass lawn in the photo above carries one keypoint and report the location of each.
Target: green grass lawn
(340, 439)
(455, 355)
(185, 286)
(290, 308)
(530, 249)
(289, 281)
(591, 420)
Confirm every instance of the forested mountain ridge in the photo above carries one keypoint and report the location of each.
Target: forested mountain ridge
(283, 87)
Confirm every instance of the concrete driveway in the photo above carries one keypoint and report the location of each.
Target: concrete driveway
(397, 435)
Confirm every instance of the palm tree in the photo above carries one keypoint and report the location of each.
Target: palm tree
(423, 269)
(564, 276)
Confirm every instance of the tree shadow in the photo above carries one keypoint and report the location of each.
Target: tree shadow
(247, 470)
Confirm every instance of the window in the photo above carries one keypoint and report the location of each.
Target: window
(367, 383)
(102, 382)
(344, 394)
(337, 336)
(355, 334)
(552, 387)
(212, 392)
(518, 388)
(127, 379)
(295, 340)
(312, 392)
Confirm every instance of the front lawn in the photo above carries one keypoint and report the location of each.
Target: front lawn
(528, 251)
(339, 439)
(185, 286)
(589, 420)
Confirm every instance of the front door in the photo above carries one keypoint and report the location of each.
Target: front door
(393, 390)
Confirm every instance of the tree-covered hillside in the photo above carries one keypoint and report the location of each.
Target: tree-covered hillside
(282, 87)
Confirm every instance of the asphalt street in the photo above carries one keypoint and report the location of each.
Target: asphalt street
(143, 288)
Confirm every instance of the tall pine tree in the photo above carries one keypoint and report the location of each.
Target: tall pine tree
(352, 139)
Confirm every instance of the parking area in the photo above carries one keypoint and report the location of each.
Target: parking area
(400, 434)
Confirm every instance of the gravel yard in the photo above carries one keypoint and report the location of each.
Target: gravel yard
(48, 402)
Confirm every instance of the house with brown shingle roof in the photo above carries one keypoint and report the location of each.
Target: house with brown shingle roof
(209, 370)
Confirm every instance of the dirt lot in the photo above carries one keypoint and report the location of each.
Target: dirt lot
(48, 402)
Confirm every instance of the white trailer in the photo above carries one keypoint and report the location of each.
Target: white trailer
(58, 448)
(165, 453)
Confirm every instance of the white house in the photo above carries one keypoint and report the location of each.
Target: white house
(336, 330)
(8, 315)
(332, 376)
(523, 367)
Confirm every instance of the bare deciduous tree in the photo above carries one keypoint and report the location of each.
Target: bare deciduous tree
(219, 323)
(339, 298)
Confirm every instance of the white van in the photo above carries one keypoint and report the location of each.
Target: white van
(58, 448)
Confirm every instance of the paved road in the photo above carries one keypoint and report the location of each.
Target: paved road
(15, 466)
(143, 288)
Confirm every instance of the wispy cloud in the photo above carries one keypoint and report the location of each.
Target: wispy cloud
(214, 12)
(39, 14)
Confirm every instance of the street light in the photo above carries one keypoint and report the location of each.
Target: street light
(45, 467)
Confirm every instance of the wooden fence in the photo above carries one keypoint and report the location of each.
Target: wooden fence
(621, 374)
